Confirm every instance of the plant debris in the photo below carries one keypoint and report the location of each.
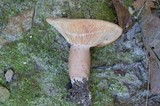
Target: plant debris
(79, 92)
(123, 15)
(150, 28)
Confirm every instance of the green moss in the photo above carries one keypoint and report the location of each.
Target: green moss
(11, 8)
(28, 91)
(11, 57)
(20, 54)
(104, 85)
(127, 2)
(108, 56)
(39, 61)
(100, 95)
(43, 54)
(102, 11)
(89, 9)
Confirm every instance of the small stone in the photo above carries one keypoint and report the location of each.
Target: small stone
(9, 75)
(4, 94)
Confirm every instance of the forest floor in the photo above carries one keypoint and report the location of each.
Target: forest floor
(34, 56)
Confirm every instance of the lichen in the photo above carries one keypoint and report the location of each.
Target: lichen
(106, 85)
(108, 55)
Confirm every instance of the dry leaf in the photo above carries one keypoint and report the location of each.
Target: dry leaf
(138, 4)
(150, 28)
(124, 17)
(149, 5)
(154, 69)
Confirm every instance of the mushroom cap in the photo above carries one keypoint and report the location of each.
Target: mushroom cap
(87, 32)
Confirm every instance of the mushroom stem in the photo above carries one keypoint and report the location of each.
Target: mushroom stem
(79, 62)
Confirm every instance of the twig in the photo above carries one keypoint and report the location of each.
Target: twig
(149, 73)
(147, 96)
(140, 11)
(158, 2)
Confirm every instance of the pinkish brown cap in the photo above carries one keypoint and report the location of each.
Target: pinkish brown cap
(89, 32)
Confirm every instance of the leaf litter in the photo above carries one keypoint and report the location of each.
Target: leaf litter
(148, 25)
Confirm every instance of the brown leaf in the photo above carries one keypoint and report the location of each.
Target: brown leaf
(138, 4)
(150, 28)
(149, 6)
(124, 17)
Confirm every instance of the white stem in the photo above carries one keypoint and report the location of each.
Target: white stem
(79, 62)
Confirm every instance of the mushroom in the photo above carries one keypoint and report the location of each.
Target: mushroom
(83, 34)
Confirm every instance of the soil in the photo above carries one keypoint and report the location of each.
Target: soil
(79, 92)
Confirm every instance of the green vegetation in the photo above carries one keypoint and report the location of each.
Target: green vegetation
(89, 9)
(37, 61)
(127, 2)
(111, 56)
(9, 8)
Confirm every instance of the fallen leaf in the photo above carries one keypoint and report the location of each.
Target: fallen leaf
(149, 6)
(124, 17)
(151, 38)
(138, 4)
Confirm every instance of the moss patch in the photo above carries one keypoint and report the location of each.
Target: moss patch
(11, 8)
(39, 63)
(128, 2)
(89, 9)
(102, 11)
(108, 55)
